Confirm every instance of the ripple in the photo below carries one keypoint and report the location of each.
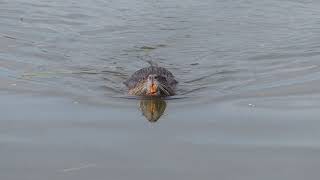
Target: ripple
(90, 49)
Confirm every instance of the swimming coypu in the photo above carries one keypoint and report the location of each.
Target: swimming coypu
(152, 81)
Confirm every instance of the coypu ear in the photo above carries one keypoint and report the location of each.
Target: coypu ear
(126, 83)
(174, 82)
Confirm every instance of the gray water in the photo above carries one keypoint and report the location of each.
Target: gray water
(247, 103)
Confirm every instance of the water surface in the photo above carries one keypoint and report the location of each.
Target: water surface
(247, 101)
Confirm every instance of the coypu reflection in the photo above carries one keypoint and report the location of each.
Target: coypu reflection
(152, 109)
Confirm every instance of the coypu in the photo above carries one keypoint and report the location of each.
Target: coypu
(152, 81)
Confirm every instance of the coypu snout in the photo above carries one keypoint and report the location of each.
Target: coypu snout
(153, 85)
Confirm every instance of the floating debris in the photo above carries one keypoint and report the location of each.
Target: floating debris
(147, 48)
(45, 74)
(82, 166)
(161, 45)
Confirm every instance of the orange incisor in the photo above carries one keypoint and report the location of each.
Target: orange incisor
(153, 88)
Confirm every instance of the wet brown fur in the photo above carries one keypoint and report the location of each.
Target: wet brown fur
(136, 82)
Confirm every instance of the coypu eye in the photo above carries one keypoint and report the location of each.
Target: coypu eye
(156, 77)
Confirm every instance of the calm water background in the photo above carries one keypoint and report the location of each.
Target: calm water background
(248, 75)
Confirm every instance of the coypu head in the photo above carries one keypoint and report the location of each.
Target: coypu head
(152, 81)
